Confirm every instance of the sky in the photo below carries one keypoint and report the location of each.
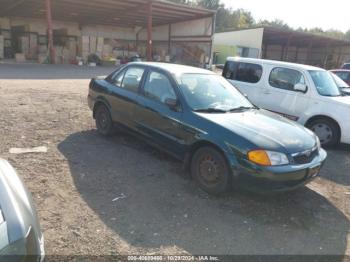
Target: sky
(326, 14)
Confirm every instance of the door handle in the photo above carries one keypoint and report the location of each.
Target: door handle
(267, 92)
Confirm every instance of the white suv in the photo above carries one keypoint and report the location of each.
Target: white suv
(306, 94)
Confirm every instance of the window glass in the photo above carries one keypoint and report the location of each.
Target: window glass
(249, 73)
(343, 75)
(230, 70)
(339, 82)
(159, 88)
(346, 66)
(284, 78)
(203, 91)
(119, 79)
(244, 72)
(132, 79)
(325, 84)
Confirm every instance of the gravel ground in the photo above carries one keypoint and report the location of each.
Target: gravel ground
(157, 210)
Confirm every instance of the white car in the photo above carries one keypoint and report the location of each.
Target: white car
(306, 94)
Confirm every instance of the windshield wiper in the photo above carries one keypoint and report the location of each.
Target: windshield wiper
(210, 110)
(242, 108)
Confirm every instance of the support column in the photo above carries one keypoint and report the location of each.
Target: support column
(169, 40)
(326, 54)
(50, 31)
(265, 51)
(286, 51)
(309, 49)
(149, 32)
(213, 29)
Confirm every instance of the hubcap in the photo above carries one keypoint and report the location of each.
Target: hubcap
(324, 132)
(209, 170)
(103, 121)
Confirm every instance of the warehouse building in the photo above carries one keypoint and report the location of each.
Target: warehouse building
(283, 45)
(69, 31)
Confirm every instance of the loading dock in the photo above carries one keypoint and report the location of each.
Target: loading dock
(111, 29)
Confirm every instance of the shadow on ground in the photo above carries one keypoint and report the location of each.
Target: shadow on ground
(47, 72)
(337, 165)
(163, 209)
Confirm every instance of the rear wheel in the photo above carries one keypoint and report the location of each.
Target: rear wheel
(210, 170)
(326, 130)
(104, 123)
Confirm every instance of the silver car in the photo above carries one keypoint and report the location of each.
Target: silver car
(20, 233)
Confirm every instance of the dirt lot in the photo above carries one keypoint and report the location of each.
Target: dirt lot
(160, 211)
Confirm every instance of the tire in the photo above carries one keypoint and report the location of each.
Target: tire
(103, 119)
(210, 170)
(327, 131)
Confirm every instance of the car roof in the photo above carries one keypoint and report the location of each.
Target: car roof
(273, 62)
(174, 69)
(340, 70)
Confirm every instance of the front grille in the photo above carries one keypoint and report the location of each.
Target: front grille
(305, 157)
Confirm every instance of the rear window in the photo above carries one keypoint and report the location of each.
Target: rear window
(345, 76)
(244, 72)
(346, 66)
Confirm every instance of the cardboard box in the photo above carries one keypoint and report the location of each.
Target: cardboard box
(20, 58)
(93, 44)
(42, 58)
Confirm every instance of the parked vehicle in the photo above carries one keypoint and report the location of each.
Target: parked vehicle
(344, 87)
(20, 235)
(201, 119)
(343, 74)
(306, 94)
(346, 66)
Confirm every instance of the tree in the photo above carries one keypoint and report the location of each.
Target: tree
(347, 35)
(210, 4)
(275, 23)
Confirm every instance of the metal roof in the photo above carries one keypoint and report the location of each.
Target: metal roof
(275, 35)
(125, 13)
(280, 36)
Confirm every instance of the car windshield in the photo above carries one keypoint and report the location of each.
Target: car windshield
(212, 93)
(325, 83)
(339, 82)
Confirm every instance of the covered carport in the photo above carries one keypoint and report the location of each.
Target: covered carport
(155, 24)
(300, 47)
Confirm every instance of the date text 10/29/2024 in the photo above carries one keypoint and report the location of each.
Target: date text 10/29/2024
(173, 258)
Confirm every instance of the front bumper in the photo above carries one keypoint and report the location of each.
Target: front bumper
(279, 178)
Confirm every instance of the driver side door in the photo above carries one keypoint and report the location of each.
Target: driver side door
(155, 119)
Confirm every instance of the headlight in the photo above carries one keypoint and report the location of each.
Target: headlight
(268, 158)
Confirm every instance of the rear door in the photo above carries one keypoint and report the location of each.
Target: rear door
(279, 94)
(155, 120)
(123, 94)
(247, 77)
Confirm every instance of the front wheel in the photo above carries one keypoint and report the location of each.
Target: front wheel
(326, 130)
(104, 123)
(211, 171)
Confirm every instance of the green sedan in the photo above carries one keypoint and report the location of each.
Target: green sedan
(202, 120)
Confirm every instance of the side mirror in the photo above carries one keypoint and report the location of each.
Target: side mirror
(300, 88)
(172, 104)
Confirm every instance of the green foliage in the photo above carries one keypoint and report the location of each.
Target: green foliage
(347, 35)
